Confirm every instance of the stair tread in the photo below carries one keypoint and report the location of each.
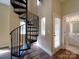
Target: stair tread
(32, 34)
(32, 40)
(19, 12)
(21, 1)
(32, 27)
(22, 18)
(23, 15)
(16, 9)
(30, 24)
(32, 30)
(17, 6)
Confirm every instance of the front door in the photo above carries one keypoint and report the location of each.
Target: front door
(57, 41)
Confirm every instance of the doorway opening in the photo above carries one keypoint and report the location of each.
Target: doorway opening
(70, 33)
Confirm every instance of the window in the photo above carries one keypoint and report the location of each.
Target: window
(23, 28)
(43, 26)
(74, 23)
(74, 27)
(57, 32)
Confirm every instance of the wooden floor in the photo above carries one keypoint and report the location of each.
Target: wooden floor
(65, 54)
(37, 53)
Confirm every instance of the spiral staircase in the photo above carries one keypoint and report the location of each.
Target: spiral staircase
(23, 36)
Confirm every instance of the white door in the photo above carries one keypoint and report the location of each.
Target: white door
(57, 41)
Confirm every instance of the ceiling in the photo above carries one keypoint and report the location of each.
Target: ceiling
(6, 2)
(62, 0)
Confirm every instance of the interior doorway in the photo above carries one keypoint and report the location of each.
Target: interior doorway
(71, 33)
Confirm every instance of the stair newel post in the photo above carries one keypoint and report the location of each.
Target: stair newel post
(11, 47)
(30, 30)
(19, 41)
(22, 37)
(26, 19)
(11, 37)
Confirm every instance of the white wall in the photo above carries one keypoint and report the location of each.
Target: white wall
(45, 11)
(49, 9)
(56, 12)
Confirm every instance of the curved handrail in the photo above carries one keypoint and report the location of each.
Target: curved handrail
(16, 28)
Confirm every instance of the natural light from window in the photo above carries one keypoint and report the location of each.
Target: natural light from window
(23, 28)
(6, 2)
(43, 26)
(57, 33)
(4, 51)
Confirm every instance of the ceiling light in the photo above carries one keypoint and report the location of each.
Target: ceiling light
(38, 2)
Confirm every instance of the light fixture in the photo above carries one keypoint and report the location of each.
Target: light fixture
(38, 2)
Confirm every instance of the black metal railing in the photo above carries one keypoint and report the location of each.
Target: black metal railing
(23, 36)
(18, 41)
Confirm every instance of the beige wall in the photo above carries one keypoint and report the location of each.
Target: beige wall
(14, 19)
(4, 25)
(70, 6)
(8, 21)
(32, 6)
